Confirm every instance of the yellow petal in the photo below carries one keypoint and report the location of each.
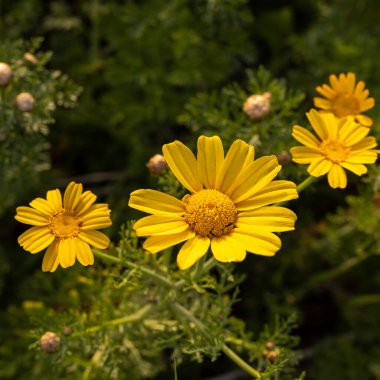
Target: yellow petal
(335, 84)
(156, 244)
(31, 216)
(95, 218)
(183, 164)
(316, 120)
(255, 177)
(159, 225)
(350, 83)
(86, 200)
(192, 251)
(366, 144)
(319, 167)
(351, 133)
(232, 165)
(337, 177)
(362, 157)
(326, 91)
(210, 159)
(84, 253)
(55, 199)
(322, 103)
(359, 88)
(36, 239)
(67, 252)
(274, 192)
(43, 206)
(155, 202)
(257, 241)
(364, 120)
(304, 154)
(95, 238)
(51, 259)
(357, 169)
(306, 138)
(72, 195)
(226, 249)
(270, 218)
(250, 156)
(367, 104)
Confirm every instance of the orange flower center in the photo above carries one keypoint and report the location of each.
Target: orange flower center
(335, 151)
(345, 104)
(64, 225)
(210, 213)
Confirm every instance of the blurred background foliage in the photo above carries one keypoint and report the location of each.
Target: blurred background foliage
(152, 71)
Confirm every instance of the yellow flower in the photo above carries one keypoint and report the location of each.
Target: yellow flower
(343, 145)
(227, 207)
(344, 98)
(67, 227)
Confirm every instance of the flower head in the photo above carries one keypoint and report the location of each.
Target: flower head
(257, 106)
(227, 207)
(342, 144)
(65, 227)
(345, 98)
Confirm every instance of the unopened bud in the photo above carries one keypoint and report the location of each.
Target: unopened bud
(5, 74)
(284, 158)
(270, 345)
(25, 102)
(67, 330)
(30, 58)
(157, 165)
(272, 356)
(257, 106)
(50, 342)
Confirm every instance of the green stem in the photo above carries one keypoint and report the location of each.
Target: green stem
(119, 321)
(104, 256)
(226, 350)
(306, 183)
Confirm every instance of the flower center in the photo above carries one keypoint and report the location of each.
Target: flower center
(64, 225)
(345, 105)
(210, 213)
(335, 151)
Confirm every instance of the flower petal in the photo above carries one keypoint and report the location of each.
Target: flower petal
(183, 164)
(97, 216)
(192, 251)
(362, 157)
(337, 177)
(270, 218)
(366, 144)
(84, 253)
(51, 259)
(305, 137)
(364, 120)
(352, 133)
(95, 238)
(43, 206)
(357, 169)
(316, 120)
(367, 104)
(156, 244)
(36, 239)
(31, 216)
(67, 252)
(210, 159)
(72, 195)
(227, 249)
(326, 91)
(304, 154)
(250, 156)
(159, 225)
(274, 192)
(322, 103)
(86, 200)
(319, 167)
(54, 198)
(155, 202)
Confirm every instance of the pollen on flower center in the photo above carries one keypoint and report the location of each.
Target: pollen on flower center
(345, 105)
(210, 213)
(335, 151)
(64, 225)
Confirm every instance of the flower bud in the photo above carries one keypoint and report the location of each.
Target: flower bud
(284, 158)
(50, 342)
(157, 165)
(5, 74)
(30, 58)
(67, 330)
(257, 106)
(25, 102)
(270, 345)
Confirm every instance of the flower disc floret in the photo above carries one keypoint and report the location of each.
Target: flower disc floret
(334, 150)
(64, 225)
(210, 213)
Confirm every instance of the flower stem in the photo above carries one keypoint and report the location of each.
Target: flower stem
(179, 309)
(161, 279)
(306, 183)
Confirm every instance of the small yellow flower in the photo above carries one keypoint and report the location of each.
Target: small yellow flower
(343, 145)
(345, 98)
(227, 208)
(67, 227)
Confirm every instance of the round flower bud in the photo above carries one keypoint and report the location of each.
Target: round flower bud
(157, 165)
(25, 102)
(30, 58)
(5, 74)
(270, 345)
(272, 356)
(50, 342)
(284, 158)
(257, 106)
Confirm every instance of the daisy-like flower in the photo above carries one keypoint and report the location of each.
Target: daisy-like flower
(345, 98)
(67, 227)
(227, 208)
(342, 144)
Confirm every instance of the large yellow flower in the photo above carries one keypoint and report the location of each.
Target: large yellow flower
(343, 145)
(67, 227)
(227, 208)
(345, 98)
